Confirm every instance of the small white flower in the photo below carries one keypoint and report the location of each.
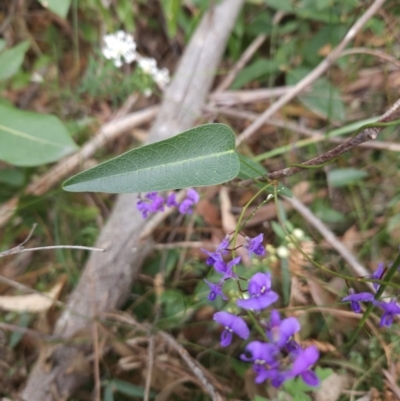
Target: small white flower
(148, 65)
(147, 92)
(119, 46)
(161, 77)
(298, 233)
(36, 77)
(282, 252)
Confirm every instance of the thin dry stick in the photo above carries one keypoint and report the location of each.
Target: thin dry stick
(29, 332)
(150, 363)
(244, 59)
(366, 134)
(372, 52)
(330, 237)
(233, 97)
(315, 135)
(193, 365)
(19, 249)
(96, 362)
(312, 76)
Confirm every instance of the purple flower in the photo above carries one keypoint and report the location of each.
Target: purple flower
(227, 268)
(391, 308)
(192, 197)
(171, 200)
(377, 275)
(233, 324)
(215, 291)
(217, 255)
(303, 363)
(355, 299)
(152, 203)
(260, 292)
(279, 331)
(263, 356)
(254, 245)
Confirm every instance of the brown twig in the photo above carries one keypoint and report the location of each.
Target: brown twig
(315, 135)
(195, 367)
(313, 75)
(244, 59)
(365, 135)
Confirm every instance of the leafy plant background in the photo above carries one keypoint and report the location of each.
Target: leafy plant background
(55, 88)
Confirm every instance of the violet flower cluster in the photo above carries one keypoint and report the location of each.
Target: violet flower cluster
(278, 357)
(390, 309)
(153, 202)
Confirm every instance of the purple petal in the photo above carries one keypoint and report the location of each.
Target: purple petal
(390, 307)
(360, 297)
(192, 195)
(215, 290)
(265, 374)
(239, 327)
(377, 275)
(260, 351)
(287, 328)
(259, 283)
(310, 378)
(304, 360)
(254, 245)
(186, 207)
(221, 248)
(258, 303)
(226, 338)
(235, 323)
(274, 319)
(355, 306)
(220, 267)
(171, 200)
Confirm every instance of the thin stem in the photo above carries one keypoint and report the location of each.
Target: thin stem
(19, 249)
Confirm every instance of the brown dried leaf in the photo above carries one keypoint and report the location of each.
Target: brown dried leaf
(332, 387)
(228, 219)
(298, 291)
(32, 303)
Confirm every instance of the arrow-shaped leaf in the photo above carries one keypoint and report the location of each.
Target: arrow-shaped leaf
(201, 156)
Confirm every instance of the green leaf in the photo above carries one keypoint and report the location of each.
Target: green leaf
(12, 177)
(32, 139)
(201, 156)
(11, 60)
(259, 68)
(59, 7)
(108, 392)
(344, 176)
(2, 44)
(281, 5)
(130, 389)
(250, 169)
(171, 10)
(323, 98)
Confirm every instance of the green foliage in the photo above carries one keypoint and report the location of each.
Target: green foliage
(171, 13)
(104, 81)
(198, 157)
(32, 139)
(59, 7)
(297, 388)
(323, 98)
(12, 59)
(342, 177)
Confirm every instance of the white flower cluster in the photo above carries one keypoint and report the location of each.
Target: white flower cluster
(118, 46)
(121, 46)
